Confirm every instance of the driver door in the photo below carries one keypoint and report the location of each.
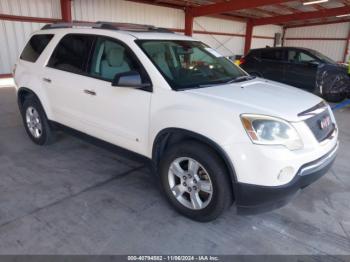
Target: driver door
(301, 70)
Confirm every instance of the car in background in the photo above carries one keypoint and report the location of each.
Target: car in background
(300, 67)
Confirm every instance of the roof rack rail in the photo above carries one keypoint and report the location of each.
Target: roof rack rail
(109, 26)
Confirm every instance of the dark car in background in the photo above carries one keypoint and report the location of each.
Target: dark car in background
(300, 67)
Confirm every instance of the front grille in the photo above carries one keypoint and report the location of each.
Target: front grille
(314, 123)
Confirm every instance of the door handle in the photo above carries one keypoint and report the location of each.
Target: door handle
(48, 80)
(90, 92)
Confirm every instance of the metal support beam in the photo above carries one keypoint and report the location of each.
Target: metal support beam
(188, 22)
(284, 32)
(223, 7)
(28, 19)
(248, 36)
(66, 11)
(303, 16)
(338, 21)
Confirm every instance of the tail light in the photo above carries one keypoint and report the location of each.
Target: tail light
(241, 61)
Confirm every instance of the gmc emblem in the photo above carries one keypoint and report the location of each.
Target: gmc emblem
(325, 122)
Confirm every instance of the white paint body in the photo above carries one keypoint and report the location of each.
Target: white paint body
(132, 118)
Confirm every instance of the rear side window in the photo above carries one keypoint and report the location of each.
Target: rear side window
(35, 47)
(72, 53)
(275, 55)
(253, 54)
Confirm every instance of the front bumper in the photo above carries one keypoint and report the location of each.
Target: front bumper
(252, 199)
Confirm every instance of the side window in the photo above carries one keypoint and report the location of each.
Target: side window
(295, 56)
(35, 47)
(110, 58)
(253, 55)
(274, 55)
(305, 58)
(72, 53)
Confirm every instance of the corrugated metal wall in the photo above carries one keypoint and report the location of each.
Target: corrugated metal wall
(123, 11)
(35, 8)
(13, 35)
(265, 30)
(225, 44)
(332, 48)
(129, 12)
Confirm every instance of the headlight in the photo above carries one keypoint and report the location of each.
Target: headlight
(266, 130)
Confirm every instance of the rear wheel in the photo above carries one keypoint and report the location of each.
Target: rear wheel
(195, 181)
(36, 123)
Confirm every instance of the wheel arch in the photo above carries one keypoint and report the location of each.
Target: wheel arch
(23, 93)
(171, 136)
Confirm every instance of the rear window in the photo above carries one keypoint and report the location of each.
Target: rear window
(35, 47)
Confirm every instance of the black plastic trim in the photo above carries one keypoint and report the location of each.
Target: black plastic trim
(253, 199)
(21, 89)
(199, 137)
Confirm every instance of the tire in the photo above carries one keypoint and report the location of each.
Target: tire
(334, 97)
(36, 123)
(211, 171)
(333, 87)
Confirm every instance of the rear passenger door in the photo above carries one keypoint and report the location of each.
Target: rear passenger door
(273, 62)
(117, 114)
(65, 80)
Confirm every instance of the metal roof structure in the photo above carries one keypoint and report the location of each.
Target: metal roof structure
(280, 12)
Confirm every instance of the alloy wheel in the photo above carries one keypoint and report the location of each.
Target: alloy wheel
(33, 122)
(190, 183)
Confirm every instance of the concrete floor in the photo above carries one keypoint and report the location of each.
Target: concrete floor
(75, 198)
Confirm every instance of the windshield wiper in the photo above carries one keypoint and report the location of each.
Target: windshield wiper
(234, 80)
(241, 79)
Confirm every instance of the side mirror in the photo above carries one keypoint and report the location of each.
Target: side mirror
(129, 79)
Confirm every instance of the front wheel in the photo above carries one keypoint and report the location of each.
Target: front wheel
(195, 181)
(334, 87)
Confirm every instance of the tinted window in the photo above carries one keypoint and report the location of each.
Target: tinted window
(110, 58)
(253, 54)
(277, 55)
(35, 47)
(189, 64)
(72, 53)
(296, 56)
(322, 57)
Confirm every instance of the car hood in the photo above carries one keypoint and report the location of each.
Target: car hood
(260, 96)
(338, 67)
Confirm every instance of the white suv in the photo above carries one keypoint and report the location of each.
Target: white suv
(215, 135)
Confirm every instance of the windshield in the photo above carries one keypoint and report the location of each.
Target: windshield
(190, 64)
(322, 57)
